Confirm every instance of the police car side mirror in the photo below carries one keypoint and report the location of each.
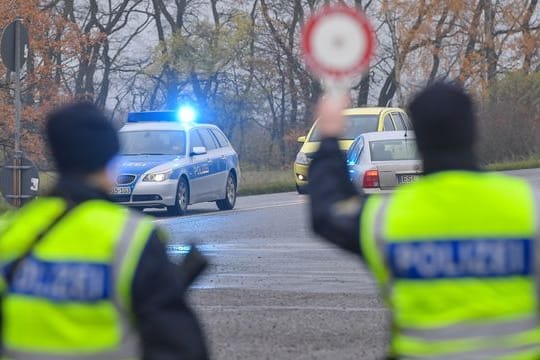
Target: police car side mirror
(198, 150)
(301, 139)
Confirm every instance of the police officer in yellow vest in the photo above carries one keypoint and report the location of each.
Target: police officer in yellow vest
(454, 252)
(83, 278)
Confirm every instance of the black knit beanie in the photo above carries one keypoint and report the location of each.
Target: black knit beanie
(81, 138)
(444, 120)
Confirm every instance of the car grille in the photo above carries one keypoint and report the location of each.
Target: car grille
(125, 179)
(120, 198)
(146, 198)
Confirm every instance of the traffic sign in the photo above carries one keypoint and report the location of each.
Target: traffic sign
(19, 181)
(338, 43)
(9, 45)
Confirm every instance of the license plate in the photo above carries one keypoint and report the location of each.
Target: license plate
(407, 179)
(121, 190)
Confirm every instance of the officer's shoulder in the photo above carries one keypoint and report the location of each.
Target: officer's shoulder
(41, 205)
(101, 206)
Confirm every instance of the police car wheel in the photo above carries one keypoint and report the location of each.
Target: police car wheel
(182, 199)
(230, 194)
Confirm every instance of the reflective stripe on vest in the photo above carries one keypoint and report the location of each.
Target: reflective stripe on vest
(381, 243)
(407, 268)
(484, 354)
(116, 354)
(484, 330)
(133, 234)
(130, 346)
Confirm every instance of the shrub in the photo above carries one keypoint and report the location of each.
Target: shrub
(510, 119)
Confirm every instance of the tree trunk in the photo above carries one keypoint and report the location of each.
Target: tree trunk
(490, 53)
(528, 38)
(363, 91)
(388, 90)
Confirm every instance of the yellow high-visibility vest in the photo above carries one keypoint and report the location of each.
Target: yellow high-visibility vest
(70, 299)
(454, 254)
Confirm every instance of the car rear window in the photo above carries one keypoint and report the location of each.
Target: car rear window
(392, 150)
(355, 125)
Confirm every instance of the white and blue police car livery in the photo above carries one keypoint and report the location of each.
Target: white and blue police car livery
(169, 161)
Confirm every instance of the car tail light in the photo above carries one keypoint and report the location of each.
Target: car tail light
(371, 179)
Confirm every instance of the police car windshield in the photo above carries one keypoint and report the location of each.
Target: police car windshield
(355, 125)
(153, 142)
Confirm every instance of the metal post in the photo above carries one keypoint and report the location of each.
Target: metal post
(18, 153)
(17, 85)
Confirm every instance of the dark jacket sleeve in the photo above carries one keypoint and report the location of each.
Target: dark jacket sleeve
(336, 204)
(168, 327)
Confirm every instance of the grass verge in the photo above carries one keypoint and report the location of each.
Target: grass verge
(266, 182)
(531, 163)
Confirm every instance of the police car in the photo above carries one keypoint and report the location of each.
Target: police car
(168, 161)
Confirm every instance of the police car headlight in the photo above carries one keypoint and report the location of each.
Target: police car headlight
(158, 176)
(302, 159)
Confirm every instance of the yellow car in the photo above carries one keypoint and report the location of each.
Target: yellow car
(358, 121)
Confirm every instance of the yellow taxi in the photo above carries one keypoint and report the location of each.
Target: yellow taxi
(358, 121)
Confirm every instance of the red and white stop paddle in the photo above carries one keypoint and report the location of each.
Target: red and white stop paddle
(338, 43)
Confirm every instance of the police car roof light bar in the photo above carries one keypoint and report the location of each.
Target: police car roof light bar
(143, 116)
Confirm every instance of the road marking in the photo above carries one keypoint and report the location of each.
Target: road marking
(273, 307)
(225, 213)
(272, 206)
(209, 250)
(332, 275)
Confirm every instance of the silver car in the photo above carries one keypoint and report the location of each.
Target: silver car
(380, 161)
(168, 164)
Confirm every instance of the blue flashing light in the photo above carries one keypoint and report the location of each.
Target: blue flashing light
(187, 114)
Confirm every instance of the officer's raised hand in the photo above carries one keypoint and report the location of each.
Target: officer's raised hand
(335, 202)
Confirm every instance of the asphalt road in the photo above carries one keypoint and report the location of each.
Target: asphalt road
(275, 291)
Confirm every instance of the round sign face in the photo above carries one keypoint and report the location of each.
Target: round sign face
(9, 46)
(338, 42)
